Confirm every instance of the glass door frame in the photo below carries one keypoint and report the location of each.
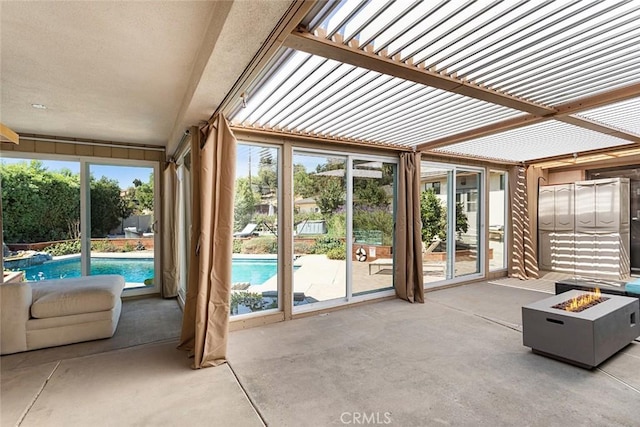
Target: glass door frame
(85, 217)
(183, 223)
(505, 213)
(280, 150)
(349, 158)
(452, 170)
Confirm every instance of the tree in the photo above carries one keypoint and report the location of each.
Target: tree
(127, 206)
(267, 176)
(331, 196)
(303, 184)
(143, 195)
(434, 217)
(244, 204)
(39, 205)
(106, 206)
(369, 193)
(462, 222)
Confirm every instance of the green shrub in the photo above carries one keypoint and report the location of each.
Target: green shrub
(251, 300)
(339, 253)
(324, 244)
(64, 248)
(302, 248)
(337, 225)
(378, 219)
(103, 246)
(237, 246)
(128, 247)
(260, 245)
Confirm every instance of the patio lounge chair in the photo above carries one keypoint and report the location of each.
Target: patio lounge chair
(382, 263)
(247, 231)
(437, 267)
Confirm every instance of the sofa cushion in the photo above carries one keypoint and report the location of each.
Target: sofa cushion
(60, 321)
(66, 297)
(633, 287)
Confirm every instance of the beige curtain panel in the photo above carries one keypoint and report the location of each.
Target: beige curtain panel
(523, 264)
(408, 279)
(169, 233)
(205, 326)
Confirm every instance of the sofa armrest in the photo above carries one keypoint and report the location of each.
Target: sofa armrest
(15, 305)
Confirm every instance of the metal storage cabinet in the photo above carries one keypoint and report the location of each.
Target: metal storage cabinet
(602, 205)
(563, 208)
(546, 208)
(584, 228)
(545, 253)
(555, 225)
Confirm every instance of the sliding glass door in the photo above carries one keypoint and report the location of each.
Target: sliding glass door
(372, 225)
(451, 214)
(344, 207)
(256, 256)
(320, 227)
(123, 223)
(467, 222)
(497, 219)
(435, 183)
(41, 218)
(68, 218)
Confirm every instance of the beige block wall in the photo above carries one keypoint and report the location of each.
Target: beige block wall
(82, 150)
(566, 177)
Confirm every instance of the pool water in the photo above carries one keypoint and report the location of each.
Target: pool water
(134, 270)
(252, 270)
(137, 270)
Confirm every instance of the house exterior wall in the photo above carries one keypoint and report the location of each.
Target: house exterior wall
(64, 148)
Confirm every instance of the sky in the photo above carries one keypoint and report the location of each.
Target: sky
(123, 174)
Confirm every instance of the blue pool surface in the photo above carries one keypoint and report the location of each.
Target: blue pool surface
(137, 270)
(134, 270)
(252, 270)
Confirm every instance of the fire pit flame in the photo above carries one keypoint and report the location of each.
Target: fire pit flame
(582, 302)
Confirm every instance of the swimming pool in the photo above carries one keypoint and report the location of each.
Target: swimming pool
(253, 270)
(136, 270)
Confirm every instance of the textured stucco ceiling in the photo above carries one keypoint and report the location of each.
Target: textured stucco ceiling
(134, 72)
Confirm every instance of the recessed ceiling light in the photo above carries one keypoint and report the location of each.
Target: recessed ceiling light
(39, 106)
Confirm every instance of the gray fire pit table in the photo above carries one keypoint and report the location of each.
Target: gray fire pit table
(586, 338)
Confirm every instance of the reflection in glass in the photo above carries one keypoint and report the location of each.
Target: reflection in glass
(122, 223)
(319, 188)
(434, 184)
(373, 218)
(255, 264)
(467, 225)
(41, 205)
(184, 222)
(497, 200)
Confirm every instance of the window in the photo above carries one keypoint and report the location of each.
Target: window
(256, 258)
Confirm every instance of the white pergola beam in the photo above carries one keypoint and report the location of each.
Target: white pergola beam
(309, 43)
(563, 113)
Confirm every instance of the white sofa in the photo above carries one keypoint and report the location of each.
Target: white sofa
(56, 312)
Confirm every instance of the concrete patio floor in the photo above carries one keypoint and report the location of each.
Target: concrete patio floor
(458, 359)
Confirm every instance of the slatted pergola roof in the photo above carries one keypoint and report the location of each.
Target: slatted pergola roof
(509, 81)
